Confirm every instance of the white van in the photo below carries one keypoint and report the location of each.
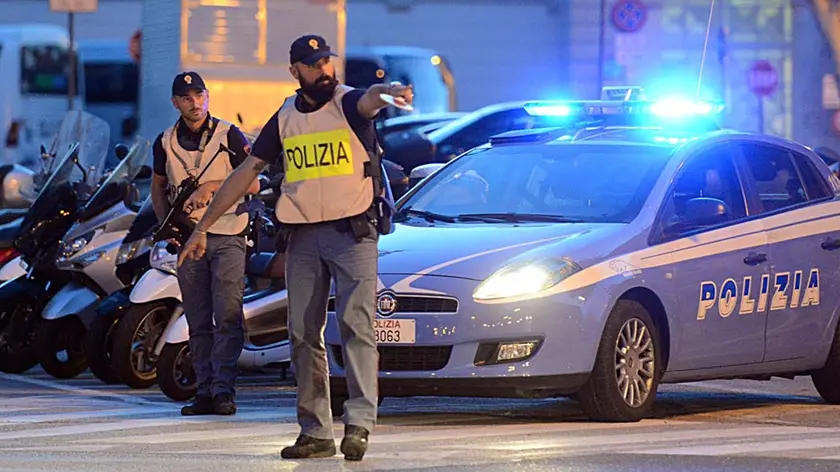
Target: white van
(34, 63)
(425, 69)
(112, 80)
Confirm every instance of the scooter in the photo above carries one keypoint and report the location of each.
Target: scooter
(132, 262)
(155, 303)
(266, 335)
(83, 139)
(87, 254)
(18, 189)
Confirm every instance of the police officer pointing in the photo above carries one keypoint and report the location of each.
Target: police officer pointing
(212, 286)
(331, 205)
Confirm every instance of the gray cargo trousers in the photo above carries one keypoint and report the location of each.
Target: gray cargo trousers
(212, 289)
(316, 254)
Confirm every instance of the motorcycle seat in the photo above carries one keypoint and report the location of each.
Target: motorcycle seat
(270, 265)
(8, 233)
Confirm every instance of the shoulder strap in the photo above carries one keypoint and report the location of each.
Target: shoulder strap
(206, 136)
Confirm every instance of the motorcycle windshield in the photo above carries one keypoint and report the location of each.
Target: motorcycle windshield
(114, 187)
(93, 135)
(144, 223)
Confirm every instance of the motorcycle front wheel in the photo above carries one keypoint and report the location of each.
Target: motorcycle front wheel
(175, 375)
(60, 345)
(19, 321)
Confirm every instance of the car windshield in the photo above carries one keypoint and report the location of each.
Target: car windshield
(604, 183)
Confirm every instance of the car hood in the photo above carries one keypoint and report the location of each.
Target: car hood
(475, 251)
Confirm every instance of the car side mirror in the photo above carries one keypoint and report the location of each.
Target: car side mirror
(421, 172)
(700, 211)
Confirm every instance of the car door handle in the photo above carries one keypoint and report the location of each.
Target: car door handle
(755, 259)
(830, 244)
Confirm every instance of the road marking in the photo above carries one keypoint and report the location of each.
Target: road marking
(277, 429)
(709, 385)
(139, 423)
(82, 415)
(80, 391)
(600, 439)
(750, 448)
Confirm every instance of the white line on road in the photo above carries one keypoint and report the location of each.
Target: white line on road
(81, 391)
(83, 415)
(749, 448)
(599, 440)
(138, 424)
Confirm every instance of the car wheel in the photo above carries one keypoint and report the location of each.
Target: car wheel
(624, 380)
(827, 379)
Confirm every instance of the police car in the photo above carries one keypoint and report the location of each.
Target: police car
(601, 259)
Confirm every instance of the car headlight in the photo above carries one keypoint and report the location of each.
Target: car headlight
(73, 246)
(133, 250)
(162, 259)
(525, 278)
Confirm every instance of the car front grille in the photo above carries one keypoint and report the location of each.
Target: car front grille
(416, 304)
(405, 358)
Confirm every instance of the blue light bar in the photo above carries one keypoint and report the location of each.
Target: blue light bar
(670, 108)
(680, 108)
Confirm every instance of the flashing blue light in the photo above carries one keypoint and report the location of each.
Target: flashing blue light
(548, 109)
(670, 108)
(679, 108)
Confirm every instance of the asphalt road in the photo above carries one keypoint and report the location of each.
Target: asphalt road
(81, 424)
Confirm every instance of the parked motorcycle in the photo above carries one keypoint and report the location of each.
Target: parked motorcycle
(266, 335)
(132, 262)
(155, 303)
(87, 255)
(84, 139)
(18, 188)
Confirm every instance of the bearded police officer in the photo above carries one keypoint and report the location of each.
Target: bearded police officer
(334, 204)
(212, 286)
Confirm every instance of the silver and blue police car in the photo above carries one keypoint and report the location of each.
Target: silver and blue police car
(601, 260)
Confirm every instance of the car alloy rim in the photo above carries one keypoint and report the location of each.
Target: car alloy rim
(634, 362)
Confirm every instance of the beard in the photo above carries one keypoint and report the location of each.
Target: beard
(321, 90)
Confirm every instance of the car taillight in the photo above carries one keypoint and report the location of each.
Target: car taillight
(13, 137)
(6, 255)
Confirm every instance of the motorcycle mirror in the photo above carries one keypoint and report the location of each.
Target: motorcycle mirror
(121, 150)
(144, 173)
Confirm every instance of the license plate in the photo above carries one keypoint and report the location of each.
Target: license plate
(394, 331)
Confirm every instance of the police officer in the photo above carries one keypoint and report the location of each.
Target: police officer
(331, 205)
(212, 285)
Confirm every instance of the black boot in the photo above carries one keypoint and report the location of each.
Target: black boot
(223, 404)
(355, 442)
(199, 406)
(307, 447)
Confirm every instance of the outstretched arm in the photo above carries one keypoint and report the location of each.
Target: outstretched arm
(370, 103)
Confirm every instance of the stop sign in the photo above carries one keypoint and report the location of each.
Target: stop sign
(763, 78)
